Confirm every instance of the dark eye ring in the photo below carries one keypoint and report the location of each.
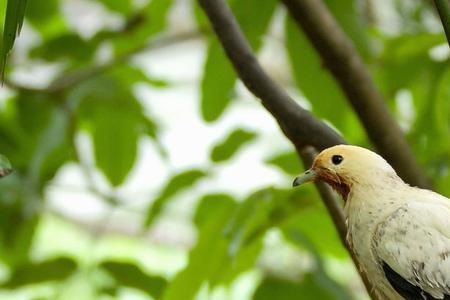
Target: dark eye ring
(337, 159)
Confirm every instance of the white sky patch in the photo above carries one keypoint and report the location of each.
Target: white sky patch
(405, 108)
(89, 17)
(440, 52)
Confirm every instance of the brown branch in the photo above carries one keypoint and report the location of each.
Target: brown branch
(334, 209)
(298, 124)
(343, 61)
(443, 8)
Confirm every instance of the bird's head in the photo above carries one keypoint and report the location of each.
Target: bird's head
(345, 166)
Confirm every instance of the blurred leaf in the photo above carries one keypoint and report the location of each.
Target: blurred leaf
(276, 288)
(17, 223)
(316, 225)
(320, 277)
(57, 269)
(116, 121)
(47, 18)
(286, 161)
(218, 76)
(231, 145)
(315, 81)
(217, 84)
(15, 12)
(394, 68)
(32, 128)
(208, 256)
(130, 75)
(210, 203)
(130, 275)
(262, 210)
(46, 158)
(152, 20)
(115, 142)
(348, 16)
(178, 183)
(429, 135)
(40, 12)
(234, 263)
(199, 15)
(315, 284)
(65, 46)
(119, 6)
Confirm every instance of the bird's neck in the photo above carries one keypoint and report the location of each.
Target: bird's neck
(369, 203)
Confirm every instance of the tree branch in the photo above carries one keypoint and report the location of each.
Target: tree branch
(443, 7)
(343, 61)
(298, 124)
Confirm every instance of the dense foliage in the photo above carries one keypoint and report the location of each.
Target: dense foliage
(92, 93)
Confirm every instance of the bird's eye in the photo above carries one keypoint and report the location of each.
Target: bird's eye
(336, 159)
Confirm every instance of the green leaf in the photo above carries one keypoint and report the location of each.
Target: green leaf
(130, 275)
(216, 93)
(15, 12)
(119, 6)
(287, 162)
(130, 75)
(316, 225)
(315, 284)
(316, 82)
(429, 136)
(262, 210)
(115, 120)
(218, 77)
(210, 253)
(57, 269)
(348, 16)
(231, 145)
(210, 203)
(67, 46)
(394, 69)
(46, 16)
(151, 20)
(319, 276)
(276, 288)
(42, 12)
(178, 183)
(115, 142)
(17, 223)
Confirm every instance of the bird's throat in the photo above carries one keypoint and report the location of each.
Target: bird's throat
(338, 183)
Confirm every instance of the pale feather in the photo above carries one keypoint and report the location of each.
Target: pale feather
(415, 241)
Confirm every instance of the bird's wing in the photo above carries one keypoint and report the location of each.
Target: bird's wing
(413, 246)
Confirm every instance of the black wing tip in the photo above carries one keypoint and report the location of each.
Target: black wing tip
(406, 289)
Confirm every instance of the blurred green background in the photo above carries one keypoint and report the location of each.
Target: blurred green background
(143, 169)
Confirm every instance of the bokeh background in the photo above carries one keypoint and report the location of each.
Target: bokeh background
(145, 170)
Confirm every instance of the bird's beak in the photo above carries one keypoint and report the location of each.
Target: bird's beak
(307, 176)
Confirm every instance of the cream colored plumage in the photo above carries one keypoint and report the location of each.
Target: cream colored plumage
(400, 234)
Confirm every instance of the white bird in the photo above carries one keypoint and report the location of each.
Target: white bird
(400, 234)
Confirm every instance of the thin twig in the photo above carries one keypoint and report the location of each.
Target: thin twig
(443, 7)
(341, 58)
